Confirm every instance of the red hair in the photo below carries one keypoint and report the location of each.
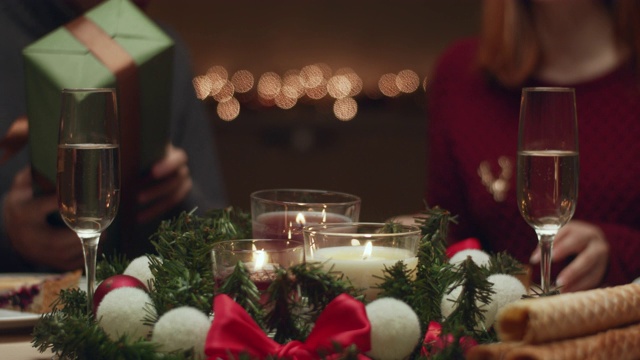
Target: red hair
(509, 48)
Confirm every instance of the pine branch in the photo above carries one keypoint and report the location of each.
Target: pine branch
(109, 266)
(176, 284)
(503, 263)
(319, 286)
(435, 220)
(397, 282)
(238, 286)
(282, 315)
(70, 333)
(182, 271)
(475, 293)
(433, 274)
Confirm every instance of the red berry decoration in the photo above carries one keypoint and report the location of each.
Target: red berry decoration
(112, 283)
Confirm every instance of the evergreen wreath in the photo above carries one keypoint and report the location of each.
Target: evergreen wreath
(183, 277)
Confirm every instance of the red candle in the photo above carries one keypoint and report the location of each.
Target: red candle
(289, 224)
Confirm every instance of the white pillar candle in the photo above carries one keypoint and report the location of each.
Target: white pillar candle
(360, 268)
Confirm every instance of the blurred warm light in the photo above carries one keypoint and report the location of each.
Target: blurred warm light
(353, 78)
(387, 85)
(225, 92)
(311, 82)
(345, 109)
(242, 81)
(202, 85)
(269, 85)
(218, 73)
(407, 81)
(424, 84)
(229, 109)
(285, 102)
(292, 85)
(311, 76)
(338, 86)
(318, 92)
(326, 70)
(266, 102)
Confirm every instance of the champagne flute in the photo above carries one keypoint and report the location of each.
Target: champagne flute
(548, 166)
(88, 169)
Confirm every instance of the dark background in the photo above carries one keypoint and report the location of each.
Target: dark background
(380, 153)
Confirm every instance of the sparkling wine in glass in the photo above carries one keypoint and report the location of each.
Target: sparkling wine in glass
(88, 169)
(548, 166)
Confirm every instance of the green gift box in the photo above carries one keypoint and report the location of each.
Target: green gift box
(113, 45)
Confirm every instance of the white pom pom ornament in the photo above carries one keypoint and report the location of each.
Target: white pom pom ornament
(479, 257)
(182, 328)
(507, 289)
(139, 268)
(122, 311)
(395, 329)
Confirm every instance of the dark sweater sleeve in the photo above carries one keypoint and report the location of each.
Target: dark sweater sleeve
(191, 130)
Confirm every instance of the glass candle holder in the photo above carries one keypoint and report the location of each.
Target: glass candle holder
(283, 213)
(261, 257)
(361, 251)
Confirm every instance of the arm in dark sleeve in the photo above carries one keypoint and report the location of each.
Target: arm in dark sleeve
(191, 130)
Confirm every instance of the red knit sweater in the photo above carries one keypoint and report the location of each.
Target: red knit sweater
(472, 121)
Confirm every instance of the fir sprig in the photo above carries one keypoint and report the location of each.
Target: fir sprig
(70, 333)
(433, 274)
(474, 296)
(319, 286)
(434, 222)
(182, 269)
(282, 317)
(503, 263)
(397, 282)
(109, 266)
(238, 286)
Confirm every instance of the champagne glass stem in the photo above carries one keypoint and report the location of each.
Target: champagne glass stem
(545, 242)
(90, 252)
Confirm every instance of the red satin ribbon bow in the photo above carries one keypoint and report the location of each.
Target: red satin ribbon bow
(466, 244)
(233, 332)
(435, 341)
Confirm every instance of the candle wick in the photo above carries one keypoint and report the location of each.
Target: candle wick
(365, 257)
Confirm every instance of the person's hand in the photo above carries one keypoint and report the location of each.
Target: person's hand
(591, 248)
(170, 182)
(37, 241)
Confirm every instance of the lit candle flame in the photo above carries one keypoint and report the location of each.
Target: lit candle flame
(368, 249)
(300, 220)
(259, 258)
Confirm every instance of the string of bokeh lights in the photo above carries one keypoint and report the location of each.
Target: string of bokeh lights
(311, 83)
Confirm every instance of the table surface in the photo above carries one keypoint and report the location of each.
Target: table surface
(15, 344)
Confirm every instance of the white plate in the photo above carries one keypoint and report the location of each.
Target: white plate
(10, 319)
(15, 319)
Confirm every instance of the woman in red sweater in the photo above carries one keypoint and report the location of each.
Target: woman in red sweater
(473, 105)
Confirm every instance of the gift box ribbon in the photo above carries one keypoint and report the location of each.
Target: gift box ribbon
(233, 332)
